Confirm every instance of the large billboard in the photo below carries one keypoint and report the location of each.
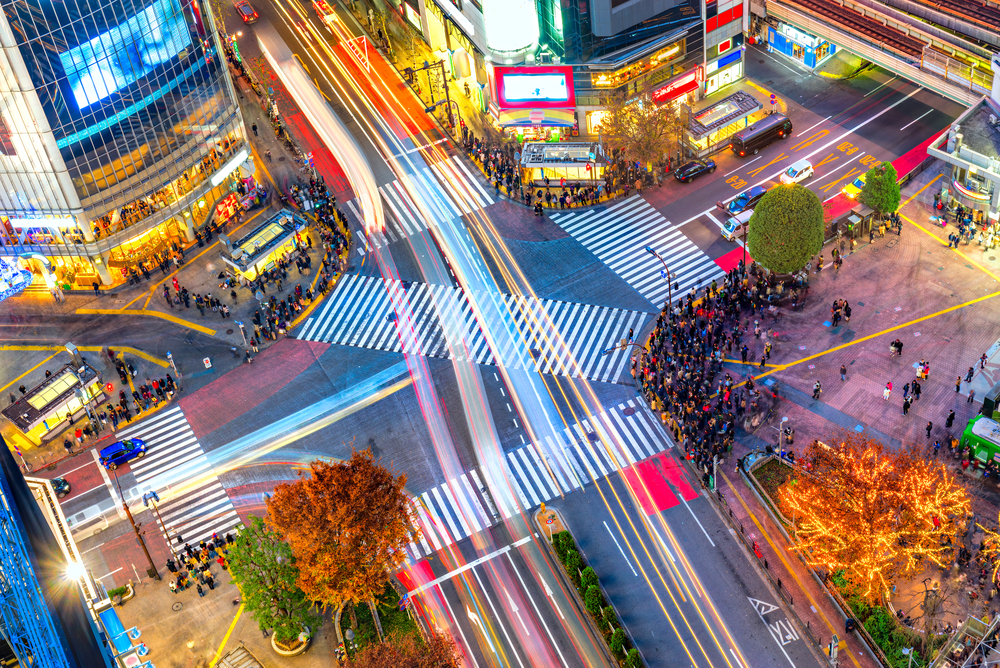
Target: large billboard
(126, 53)
(548, 87)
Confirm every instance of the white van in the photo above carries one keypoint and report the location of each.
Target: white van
(734, 226)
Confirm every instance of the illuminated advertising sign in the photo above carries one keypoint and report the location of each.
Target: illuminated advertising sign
(535, 87)
(126, 53)
(679, 86)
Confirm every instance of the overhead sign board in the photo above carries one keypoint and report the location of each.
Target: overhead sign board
(546, 87)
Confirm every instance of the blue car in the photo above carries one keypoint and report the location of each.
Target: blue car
(123, 451)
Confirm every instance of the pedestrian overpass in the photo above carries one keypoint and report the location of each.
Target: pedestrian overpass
(942, 61)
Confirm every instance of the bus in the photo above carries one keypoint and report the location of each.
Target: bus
(982, 436)
(750, 140)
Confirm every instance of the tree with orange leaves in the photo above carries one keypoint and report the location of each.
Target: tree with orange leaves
(871, 512)
(347, 524)
(438, 651)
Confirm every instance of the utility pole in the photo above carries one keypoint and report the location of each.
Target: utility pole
(151, 571)
(666, 275)
(155, 498)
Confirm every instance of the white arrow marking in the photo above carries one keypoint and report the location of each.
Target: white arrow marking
(548, 592)
(478, 622)
(515, 610)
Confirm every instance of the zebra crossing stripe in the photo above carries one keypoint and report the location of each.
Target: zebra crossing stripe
(175, 456)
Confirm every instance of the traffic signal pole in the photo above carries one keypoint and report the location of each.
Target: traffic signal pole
(151, 571)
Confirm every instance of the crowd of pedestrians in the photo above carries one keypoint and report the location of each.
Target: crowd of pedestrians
(193, 567)
(680, 368)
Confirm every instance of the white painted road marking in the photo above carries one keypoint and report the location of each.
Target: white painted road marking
(620, 549)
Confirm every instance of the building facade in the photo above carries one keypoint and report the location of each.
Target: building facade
(119, 133)
(685, 49)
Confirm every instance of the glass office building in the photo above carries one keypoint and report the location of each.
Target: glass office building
(119, 133)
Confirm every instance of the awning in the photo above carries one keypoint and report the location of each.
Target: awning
(552, 118)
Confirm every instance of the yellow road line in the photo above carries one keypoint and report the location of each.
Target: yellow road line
(95, 349)
(782, 367)
(218, 654)
(781, 556)
(155, 314)
(44, 361)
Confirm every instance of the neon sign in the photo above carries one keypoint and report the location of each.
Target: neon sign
(971, 194)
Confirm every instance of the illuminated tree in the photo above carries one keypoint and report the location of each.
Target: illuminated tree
(990, 547)
(636, 126)
(871, 512)
(438, 651)
(347, 524)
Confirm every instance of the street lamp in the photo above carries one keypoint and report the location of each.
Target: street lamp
(666, 275)
(155, 498)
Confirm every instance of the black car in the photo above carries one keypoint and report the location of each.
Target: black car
(745, 200)
(60, 487)
(693, 170)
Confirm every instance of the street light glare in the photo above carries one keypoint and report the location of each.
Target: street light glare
(75, 570)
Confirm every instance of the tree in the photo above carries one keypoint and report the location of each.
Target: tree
(881, 190)
(871, 512)
(439, 651)
(263, 567)
(347, 524)
(786, 228)
(636, 126)
(593, 600)
(617, 642)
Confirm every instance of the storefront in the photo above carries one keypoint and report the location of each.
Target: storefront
(43, 411)
(726, 70)
(798, 45)
(641, 68)
(262, 247)
(569, 163)
(534, 103)
(709, 129)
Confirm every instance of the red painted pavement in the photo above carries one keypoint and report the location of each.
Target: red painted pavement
(675, 475)
(248, 386)
(732, 259)
(650, 488)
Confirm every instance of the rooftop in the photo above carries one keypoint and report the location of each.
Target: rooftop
(727, 110)
(53, 391)
(260, 240)
(538, 153)
(978, 133)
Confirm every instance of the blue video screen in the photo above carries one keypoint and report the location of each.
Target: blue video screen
(126, 53)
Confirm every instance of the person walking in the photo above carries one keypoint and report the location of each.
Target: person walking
(916, 391)
(843, 372)
(928, 428)
(817, 390)
(888, 391)
(969, 374)
(254, 128)
(950, 420)
(972, 396)
(847, 312)
(906, 406)
(906, 390)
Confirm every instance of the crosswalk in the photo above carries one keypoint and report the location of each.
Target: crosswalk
(462, 506)
(619, 234)
(559, 338)
(448, 189)
(194, 505)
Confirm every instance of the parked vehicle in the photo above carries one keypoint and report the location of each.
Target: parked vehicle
(750, 140)
(123, 451)
(745, 200)
(798, 172)
(694, 169)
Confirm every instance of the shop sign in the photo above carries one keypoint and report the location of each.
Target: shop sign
(679, 86)
(971, 194)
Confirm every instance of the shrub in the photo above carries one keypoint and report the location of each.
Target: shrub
(117, 591)
(594, 600)
(573, 564)
(617, 642)
(563, 543)
(609, 616)
(589, 578)
(632, 659)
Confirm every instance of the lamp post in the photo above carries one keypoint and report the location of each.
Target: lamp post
(153, 497)
(666, 275)
(151, 571)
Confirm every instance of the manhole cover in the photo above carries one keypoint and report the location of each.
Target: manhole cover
(281, 158)
(229, 331)
(50, 467)
(177, 606)
(993, 258)
(760, 61)
(629, 411)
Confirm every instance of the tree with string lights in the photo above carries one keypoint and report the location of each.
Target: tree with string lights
(873, 513)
